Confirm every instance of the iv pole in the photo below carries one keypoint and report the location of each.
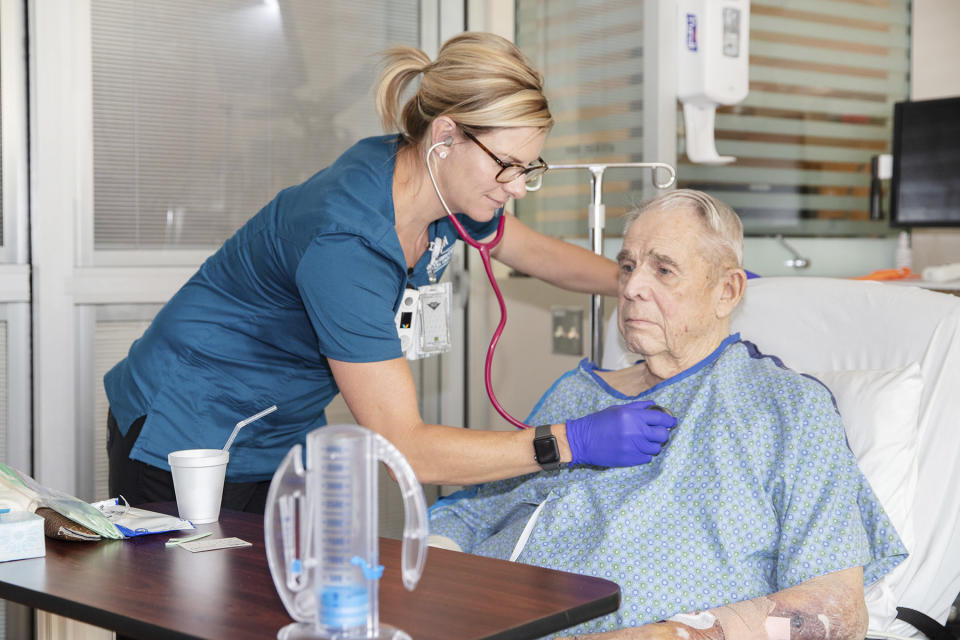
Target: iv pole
(597, 219)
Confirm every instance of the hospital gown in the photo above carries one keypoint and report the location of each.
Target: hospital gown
(756, 491)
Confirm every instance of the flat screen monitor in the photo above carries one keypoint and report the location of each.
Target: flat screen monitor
(925, 186)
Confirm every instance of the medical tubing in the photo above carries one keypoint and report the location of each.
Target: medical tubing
(484, 249)
(488, 366)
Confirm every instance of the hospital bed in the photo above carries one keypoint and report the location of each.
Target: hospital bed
(891, 355)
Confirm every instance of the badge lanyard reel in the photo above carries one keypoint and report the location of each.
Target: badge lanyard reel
(320, 530)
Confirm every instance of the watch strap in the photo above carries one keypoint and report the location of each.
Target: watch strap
(543, 436)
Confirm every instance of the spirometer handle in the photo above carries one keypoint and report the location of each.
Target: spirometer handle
(415, 527)
(289, 570)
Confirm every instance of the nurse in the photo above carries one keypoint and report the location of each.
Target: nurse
(300, 303)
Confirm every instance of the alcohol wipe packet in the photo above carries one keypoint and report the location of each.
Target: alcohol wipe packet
(132, 521)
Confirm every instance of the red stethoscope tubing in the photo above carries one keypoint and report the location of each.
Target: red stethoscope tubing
(484, 248)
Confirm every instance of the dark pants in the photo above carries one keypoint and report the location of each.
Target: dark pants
(140, 483)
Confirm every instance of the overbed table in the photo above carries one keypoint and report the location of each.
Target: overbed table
(143, 589)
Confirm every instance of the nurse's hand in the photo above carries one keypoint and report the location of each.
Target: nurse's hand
(619, 436)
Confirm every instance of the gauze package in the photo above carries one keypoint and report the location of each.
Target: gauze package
(21, 535)
(132, 521)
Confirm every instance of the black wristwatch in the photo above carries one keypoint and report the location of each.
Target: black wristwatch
(545, 449)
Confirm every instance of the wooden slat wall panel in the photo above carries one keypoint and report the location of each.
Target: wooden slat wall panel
(823, 80)
(824, 75)
(591, 54)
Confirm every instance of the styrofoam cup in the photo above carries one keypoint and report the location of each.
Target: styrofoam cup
(198, 476)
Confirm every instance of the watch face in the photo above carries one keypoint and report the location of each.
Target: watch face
(546, 450)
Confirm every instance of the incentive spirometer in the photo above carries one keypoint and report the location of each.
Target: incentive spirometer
(320, 532)
(712, 68)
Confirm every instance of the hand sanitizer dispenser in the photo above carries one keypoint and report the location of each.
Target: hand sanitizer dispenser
(320, 530)
(712, 68)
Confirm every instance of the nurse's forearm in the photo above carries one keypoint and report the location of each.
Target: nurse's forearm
(450, 455)
(382, 398)
(556, 261)
(574, 268)
(829, 607)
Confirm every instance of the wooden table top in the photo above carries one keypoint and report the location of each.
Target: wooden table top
(143, 589)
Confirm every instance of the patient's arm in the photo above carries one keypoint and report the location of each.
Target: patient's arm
(828, 607)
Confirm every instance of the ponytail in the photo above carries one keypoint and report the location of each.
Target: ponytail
(401, 66)
(479, 80)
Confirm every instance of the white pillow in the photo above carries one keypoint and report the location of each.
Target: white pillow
(881, 412)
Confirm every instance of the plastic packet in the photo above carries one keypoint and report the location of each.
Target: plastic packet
(27, 493)
(132, 521)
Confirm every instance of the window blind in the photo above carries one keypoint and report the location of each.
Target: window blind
(111, 341)
(202, 111)
(4, 391)
(591, 55)
(2, 212)
(824, 75)
(4, 426)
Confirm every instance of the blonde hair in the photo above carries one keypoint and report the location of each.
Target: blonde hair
(479, 80)
(724, 229)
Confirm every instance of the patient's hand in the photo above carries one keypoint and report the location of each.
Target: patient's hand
(828, 607)
(657, 631)
(666, 630)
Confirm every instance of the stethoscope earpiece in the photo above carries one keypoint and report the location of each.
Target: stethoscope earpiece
(446, 142)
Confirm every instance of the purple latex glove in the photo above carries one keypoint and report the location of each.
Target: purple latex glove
(619, 436)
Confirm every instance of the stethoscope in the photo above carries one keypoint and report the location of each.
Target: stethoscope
(484, 248)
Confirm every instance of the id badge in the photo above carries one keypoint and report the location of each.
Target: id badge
(423, 320)
(435, 303)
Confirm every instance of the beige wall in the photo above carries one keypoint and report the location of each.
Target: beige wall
(935, 49)
(523, 366)
(934, 74)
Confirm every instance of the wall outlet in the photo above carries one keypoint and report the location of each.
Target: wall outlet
(566, 328)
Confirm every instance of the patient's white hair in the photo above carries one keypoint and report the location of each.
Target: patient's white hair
(724, 229)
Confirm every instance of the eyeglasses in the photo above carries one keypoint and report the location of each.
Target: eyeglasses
(510, 171)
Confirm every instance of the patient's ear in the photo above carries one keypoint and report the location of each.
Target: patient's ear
(733, 284)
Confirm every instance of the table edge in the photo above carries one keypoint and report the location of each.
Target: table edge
(561, 621)
(103, 618)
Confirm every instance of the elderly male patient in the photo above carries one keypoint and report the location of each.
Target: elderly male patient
(753, 521)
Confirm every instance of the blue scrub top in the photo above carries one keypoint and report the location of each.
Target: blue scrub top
(318, 273)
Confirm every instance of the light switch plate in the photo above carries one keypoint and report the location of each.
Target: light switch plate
(566, 329)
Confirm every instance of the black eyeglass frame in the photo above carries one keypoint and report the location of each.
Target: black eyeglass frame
(526, 172)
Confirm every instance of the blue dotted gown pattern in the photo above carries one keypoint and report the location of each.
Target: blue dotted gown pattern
(755, 491)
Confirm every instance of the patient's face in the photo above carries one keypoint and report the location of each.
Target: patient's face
(667, 300)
